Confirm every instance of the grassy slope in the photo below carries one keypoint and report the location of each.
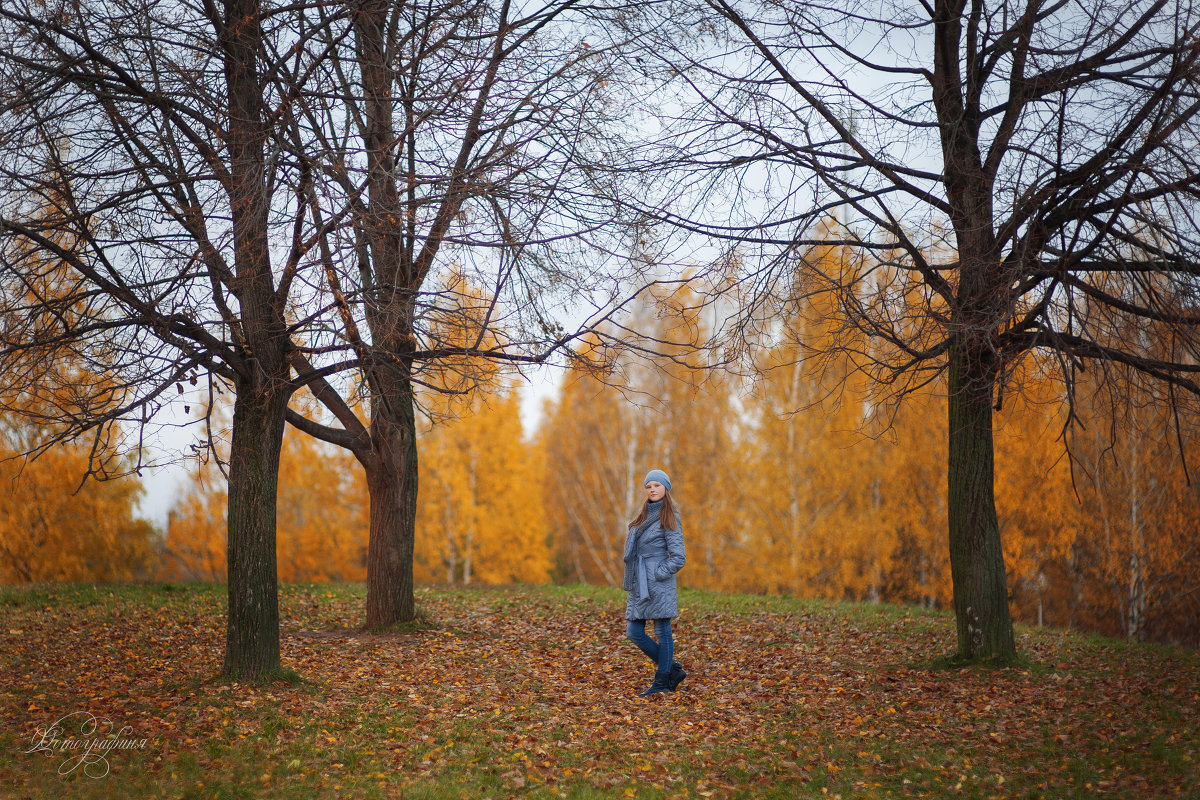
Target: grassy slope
(528, 691)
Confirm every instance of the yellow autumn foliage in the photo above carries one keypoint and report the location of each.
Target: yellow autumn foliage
(481, 506)
(480, 516)
(54, 529)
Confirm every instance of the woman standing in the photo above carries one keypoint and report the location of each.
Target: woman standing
(653, 554)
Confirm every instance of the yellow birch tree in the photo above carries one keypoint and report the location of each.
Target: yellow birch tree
(481, 510)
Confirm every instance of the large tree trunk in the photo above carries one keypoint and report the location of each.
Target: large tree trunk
(392, 485)
(252, 632)
(392, 464)
(262, 387)
(976, 559)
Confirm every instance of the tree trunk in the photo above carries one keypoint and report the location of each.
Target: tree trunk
(392, 486)
(392, 465)
(262, 387)
(252, 632)
(976, 558)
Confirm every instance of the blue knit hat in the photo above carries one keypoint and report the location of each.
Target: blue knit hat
(658, 475)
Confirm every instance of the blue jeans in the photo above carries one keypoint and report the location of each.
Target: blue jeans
(662, 652)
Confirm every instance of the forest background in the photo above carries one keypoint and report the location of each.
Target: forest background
(793, 478)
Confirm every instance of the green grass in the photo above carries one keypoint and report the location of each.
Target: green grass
(528, 691)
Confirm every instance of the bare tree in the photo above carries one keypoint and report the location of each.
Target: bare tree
(455, 140)
(136, 153)
(1000, 164)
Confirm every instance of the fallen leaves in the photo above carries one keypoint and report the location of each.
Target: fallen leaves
(527, 691)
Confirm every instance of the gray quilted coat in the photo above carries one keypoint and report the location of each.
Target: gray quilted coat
(652, 557)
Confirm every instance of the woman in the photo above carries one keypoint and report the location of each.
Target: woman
(653, 554)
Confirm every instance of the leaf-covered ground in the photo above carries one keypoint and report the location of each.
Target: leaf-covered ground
(529, 691)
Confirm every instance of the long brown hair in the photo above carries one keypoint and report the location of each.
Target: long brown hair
(668, 517)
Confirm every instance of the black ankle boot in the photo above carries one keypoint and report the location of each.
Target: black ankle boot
(661, 684)
(676, 676)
